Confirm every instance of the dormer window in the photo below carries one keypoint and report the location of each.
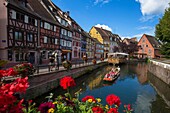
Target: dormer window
(50, 8)
(110, 38)
(63, 22)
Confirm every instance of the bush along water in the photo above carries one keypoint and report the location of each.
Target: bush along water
(11, 103)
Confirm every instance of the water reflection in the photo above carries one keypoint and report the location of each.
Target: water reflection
(133, 87)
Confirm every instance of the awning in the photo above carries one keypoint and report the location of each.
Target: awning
(64, 50)
(117, 53)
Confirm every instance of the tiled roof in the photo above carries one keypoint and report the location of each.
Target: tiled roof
(41, 11)
(86, 34)
(22, 7)
(152, 41)
(102, 33)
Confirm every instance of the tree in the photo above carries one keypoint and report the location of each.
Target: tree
(131, 48)
(162, 32)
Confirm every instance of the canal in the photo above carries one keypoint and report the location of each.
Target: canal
(135, 86)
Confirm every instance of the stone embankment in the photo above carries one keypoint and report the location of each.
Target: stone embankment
(161, 70)
(44, 83)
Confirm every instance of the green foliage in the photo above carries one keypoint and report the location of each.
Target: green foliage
(163, 32)
(3, 62)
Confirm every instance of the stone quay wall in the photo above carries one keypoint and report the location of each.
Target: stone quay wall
(161, 70)
(44, 83)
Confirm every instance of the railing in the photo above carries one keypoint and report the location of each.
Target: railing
(75, 64)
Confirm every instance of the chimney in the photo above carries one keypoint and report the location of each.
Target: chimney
(68, 13)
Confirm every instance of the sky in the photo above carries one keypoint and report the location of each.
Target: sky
(127, 18)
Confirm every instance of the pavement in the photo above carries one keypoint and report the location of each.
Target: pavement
(166, 61)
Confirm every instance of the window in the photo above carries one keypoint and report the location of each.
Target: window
(13, 14)
(18, 36)
(143, 40)
(26, 19)
(42, 24)
(53, 41)
(62, 42)
(56, 41)
(20, 17)
(54, 28)
(69, 34)
(111, 39)
(146, 45)
(149, 51)
(47, 25)
(49, 40)
(75, 53)
(32, 21)
(43, 54)
(30, 37)
(45, 39)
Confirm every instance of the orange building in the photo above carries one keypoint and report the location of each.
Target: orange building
(149, 47)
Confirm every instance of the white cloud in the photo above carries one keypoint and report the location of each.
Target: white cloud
(145, 28)
(101, 1)
(153, 7)
(104, 27)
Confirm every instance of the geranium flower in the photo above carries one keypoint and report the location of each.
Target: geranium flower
(44, 107)
(113, 99)
(97, 109)
(67, 82)
(113, 110)
(87, 98)
(128, 107)
(2, 73)
(11, 72)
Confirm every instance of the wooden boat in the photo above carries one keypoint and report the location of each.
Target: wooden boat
(112, 75)
(116, 58)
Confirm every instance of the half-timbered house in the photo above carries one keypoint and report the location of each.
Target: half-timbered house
(64, 20)
(19, 31)
(49, 31)
(76, 41)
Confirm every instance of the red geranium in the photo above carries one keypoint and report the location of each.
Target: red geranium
(88, 97)
(113, 110)
(97, 109)
(113, 99)
(67, 82)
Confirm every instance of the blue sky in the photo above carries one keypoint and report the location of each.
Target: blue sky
(127, 18)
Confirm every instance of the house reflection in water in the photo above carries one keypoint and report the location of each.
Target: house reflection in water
(141, 71)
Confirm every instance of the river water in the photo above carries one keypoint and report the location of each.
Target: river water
(135, 86)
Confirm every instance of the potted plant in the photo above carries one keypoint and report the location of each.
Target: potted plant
(67, 64)
(94, 61)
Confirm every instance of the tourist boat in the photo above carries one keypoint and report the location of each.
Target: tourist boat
(112, 75)
(116, 58)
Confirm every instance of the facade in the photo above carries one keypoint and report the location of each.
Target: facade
(90, 47)
(99, 49)
(49, 31)
(109, 40)
(19, 32)
(66, 33)
(149, 47)
(83, 44)
(76, 41)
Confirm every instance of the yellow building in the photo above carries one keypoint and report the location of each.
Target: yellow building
(109, 40)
